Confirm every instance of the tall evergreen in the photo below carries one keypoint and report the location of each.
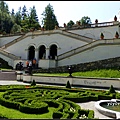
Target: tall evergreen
(4, 7)
(6, 21)
(33, 19)
(13, 13)
(18, 17)
(24, 12)
(33, 14)
(49, 20)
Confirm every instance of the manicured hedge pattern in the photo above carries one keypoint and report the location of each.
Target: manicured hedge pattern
(37, 99)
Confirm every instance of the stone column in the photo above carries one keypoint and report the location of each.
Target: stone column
(47, 53)
(36, 54)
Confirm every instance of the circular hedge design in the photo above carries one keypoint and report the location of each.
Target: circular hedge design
(37, 101)
(42, 99)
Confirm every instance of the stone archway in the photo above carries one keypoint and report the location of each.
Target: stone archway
(31, 53)
(42, 52)
(53, 51)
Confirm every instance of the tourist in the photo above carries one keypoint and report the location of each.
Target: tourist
(27, 63)
(30, 67)
(34, 62)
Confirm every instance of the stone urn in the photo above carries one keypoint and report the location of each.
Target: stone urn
(115, 18)
(116, 35)
(96, 21)
(102, 36)
(64, 25)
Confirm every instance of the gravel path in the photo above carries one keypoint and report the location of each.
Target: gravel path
(91, 106)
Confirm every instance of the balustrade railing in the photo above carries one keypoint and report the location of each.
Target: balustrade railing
(87, 46)
(103, 24)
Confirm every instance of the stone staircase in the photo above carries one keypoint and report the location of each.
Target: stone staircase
(8, 75)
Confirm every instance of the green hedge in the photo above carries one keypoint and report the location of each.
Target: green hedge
(91, 114)
(8, 103)
(103, 97)
(38, 99)
(42, 108)
(57, 114)
(77, 99)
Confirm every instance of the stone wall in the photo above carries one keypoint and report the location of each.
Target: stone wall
(112, 63)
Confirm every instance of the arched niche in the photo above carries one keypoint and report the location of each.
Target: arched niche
(53, 51)
(42, 52)
(31, 53)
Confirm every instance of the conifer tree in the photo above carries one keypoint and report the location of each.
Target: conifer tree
(49, 20)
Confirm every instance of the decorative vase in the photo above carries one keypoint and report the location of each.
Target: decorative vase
(96, 21)
(115, 18)
(78, 22)
(102, 36)
(116, 35)
(64, 25)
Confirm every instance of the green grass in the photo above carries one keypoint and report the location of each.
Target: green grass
(16, 114)
(103, 73)
(5, 69)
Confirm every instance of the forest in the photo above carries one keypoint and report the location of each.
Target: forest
(25, 20)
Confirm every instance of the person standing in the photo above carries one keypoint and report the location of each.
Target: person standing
(27, 63)
(34, 63)
(30, 67)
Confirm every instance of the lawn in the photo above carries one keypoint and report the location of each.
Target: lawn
(103, 73)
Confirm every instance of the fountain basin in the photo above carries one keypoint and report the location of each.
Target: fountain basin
(99, 105)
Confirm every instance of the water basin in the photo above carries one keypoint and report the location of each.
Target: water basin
(109, 108)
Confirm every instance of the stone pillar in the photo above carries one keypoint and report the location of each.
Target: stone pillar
(47, 53)
(36, 54)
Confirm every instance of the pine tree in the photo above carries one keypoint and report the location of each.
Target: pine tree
(33, 19)
(49, 19)
(6, 21)
(18, 17)
(12, 13)
(4, 7)
(33, 14)
(24, 12)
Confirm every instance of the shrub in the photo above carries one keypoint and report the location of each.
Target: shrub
(68, 85)
(111, 89)
(57, 114)
(33, 83)
(39, 108)
(91, 114)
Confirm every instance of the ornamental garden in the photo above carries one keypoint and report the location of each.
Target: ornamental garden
(37, 101)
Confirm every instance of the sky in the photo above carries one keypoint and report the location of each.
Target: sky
(65, 11)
